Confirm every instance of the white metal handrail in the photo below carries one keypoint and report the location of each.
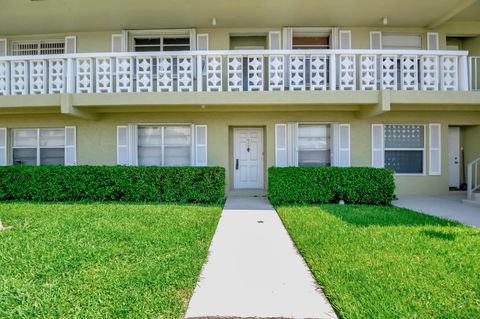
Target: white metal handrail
(473, 177)
(237, 70)
(474, 67)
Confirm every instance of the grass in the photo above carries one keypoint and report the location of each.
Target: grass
(101, 260)
(387, 262)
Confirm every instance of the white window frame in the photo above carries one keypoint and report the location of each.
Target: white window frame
(38, 43)
(320, 31)
(331, 137)
(162, 146)
(131, 35)
(38, 147)
(424, 149)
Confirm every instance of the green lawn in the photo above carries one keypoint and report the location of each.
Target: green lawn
(101, 260)
(387, 262)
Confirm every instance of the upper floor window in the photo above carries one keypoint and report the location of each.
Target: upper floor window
(161, 43)
(311, 38)
(38, 47)
(392, 41)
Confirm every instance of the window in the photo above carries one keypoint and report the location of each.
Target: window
(314, 144)
(161, 43)
(392, 41)
(39, 146)
(405, 148)
(306, 39)
(164, 145)
(40, 47)
(311, 42)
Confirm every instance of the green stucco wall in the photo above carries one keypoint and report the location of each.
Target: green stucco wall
(96, 140)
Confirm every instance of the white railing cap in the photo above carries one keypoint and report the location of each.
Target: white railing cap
(235, 52)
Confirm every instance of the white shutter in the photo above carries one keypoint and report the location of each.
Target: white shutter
(201, 149)
(122, 145)
(274, 40)
(70, 146)
(378, 155)
(376, 40)
(344, 145)
(70, 44)
(117, 43)
(202, 42)
(3, 47)
(287, 38)
(292, 148)
(345, 39)
(133, 144)
(3, 146)
(435, 163)
(432, 41)
(281, 156)
(193, 39)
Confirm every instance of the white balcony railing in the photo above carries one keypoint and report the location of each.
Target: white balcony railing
(216, 71)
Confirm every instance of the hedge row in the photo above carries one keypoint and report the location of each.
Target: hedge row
(113, 183)
(320, 185)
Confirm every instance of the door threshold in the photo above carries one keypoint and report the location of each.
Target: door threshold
(248, 192)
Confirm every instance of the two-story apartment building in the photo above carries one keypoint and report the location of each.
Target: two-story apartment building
(245, 85)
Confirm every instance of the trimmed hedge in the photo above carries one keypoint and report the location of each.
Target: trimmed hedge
(113, 183)
(321, 185)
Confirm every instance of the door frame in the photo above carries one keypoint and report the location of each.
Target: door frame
(232, 154)
(458, 132)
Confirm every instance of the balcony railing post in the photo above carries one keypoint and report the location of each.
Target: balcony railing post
(333, 72)
(199, 74)
(463, 73)
(70, 74)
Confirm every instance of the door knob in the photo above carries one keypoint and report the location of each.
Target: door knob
(236, 164)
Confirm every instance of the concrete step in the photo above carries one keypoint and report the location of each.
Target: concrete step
(248, 193)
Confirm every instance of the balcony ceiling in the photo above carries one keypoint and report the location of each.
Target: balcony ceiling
(62, 16)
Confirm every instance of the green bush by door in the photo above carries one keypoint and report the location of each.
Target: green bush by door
(321, 185)
(113, 183)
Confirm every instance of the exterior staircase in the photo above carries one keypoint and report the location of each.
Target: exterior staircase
(473, 184)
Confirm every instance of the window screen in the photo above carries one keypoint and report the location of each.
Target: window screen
(39, 146)
(314, 145)
(164, 145)
(161, 43)
(21, 48)
(404, 148)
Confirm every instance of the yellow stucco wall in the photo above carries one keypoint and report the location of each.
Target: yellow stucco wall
(219, 38)
(96, 140)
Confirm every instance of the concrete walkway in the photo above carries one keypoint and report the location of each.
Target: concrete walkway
(448, 207)
(254, 270)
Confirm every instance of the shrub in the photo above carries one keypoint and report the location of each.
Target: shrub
(113, 183)
(320, 185)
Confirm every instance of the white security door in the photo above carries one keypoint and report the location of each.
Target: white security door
(454, 157)
(248, 158)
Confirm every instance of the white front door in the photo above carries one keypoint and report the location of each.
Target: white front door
(454, 157)
(248, 158)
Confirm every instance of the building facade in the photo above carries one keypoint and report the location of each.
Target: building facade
(178, 85)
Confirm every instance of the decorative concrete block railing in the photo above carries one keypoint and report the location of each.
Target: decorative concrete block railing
(228, 71)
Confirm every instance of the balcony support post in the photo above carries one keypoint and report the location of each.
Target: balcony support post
(199, 74)
(333, 72)
(383, 106)
(67, 108)
(463, 73)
